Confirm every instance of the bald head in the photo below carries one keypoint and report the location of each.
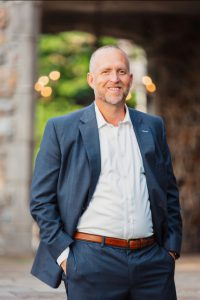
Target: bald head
(103, 50)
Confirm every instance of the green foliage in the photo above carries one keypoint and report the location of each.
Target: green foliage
(132, 101)
(68, 53)
(107, 40)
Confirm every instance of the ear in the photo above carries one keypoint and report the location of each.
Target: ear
(131, 79)
(90, 80)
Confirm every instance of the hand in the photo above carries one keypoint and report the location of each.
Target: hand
(64, 266)
(172, 255)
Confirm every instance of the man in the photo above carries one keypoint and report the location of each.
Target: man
(105, 197)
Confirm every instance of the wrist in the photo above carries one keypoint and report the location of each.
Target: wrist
(173, 254)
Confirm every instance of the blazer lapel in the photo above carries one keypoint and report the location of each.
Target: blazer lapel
(144, 137)
(90, 135)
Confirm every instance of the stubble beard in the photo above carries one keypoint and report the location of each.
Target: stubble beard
(113, 100)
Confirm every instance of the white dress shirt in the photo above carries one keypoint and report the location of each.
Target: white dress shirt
(120, 205)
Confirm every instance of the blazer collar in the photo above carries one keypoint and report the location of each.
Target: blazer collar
(89, 114)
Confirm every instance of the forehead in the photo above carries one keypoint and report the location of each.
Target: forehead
(108, 58)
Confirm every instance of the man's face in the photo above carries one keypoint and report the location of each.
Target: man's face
(110, 77)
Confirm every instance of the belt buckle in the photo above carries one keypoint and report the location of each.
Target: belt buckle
(138, 242)
(128, 242)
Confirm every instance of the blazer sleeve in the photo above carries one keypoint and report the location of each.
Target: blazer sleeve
(43, 204)
(174, 236)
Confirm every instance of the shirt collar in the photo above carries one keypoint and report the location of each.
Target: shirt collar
(101, 122)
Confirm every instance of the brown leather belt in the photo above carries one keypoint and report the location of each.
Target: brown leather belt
(133, 244)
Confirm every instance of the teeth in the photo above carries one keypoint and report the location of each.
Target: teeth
(114, 89)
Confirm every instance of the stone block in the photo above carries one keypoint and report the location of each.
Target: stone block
(18, 163)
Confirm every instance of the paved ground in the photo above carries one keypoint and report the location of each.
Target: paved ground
(17, 283)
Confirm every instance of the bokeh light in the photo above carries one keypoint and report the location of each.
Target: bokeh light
(146, 80)
(46, 91)
(43, 80)
(38, 87)
(151, 88)
(54, 75)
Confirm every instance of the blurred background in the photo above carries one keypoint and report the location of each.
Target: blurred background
(45, 48)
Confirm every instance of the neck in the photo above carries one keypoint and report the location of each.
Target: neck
(113, 114)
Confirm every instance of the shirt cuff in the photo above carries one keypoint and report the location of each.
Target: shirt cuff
(63, 256)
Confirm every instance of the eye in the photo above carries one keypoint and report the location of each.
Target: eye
(122, 72)
(105, 72)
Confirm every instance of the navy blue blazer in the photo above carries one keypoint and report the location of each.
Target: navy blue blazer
(66, 173)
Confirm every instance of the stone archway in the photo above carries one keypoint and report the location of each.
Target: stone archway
(168, 32)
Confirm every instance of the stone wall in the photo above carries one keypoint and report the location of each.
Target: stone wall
(174, 64)
(18, 33)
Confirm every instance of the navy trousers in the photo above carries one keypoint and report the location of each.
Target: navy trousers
(99, 272)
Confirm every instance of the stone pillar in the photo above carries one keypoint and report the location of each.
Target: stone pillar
(174, 65)
(18, 33)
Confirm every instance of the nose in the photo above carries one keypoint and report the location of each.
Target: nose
(114, 76)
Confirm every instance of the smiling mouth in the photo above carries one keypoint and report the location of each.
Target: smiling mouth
(115, 89)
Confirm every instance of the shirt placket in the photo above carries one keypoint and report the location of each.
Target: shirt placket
(132, 184)
(123, 171)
